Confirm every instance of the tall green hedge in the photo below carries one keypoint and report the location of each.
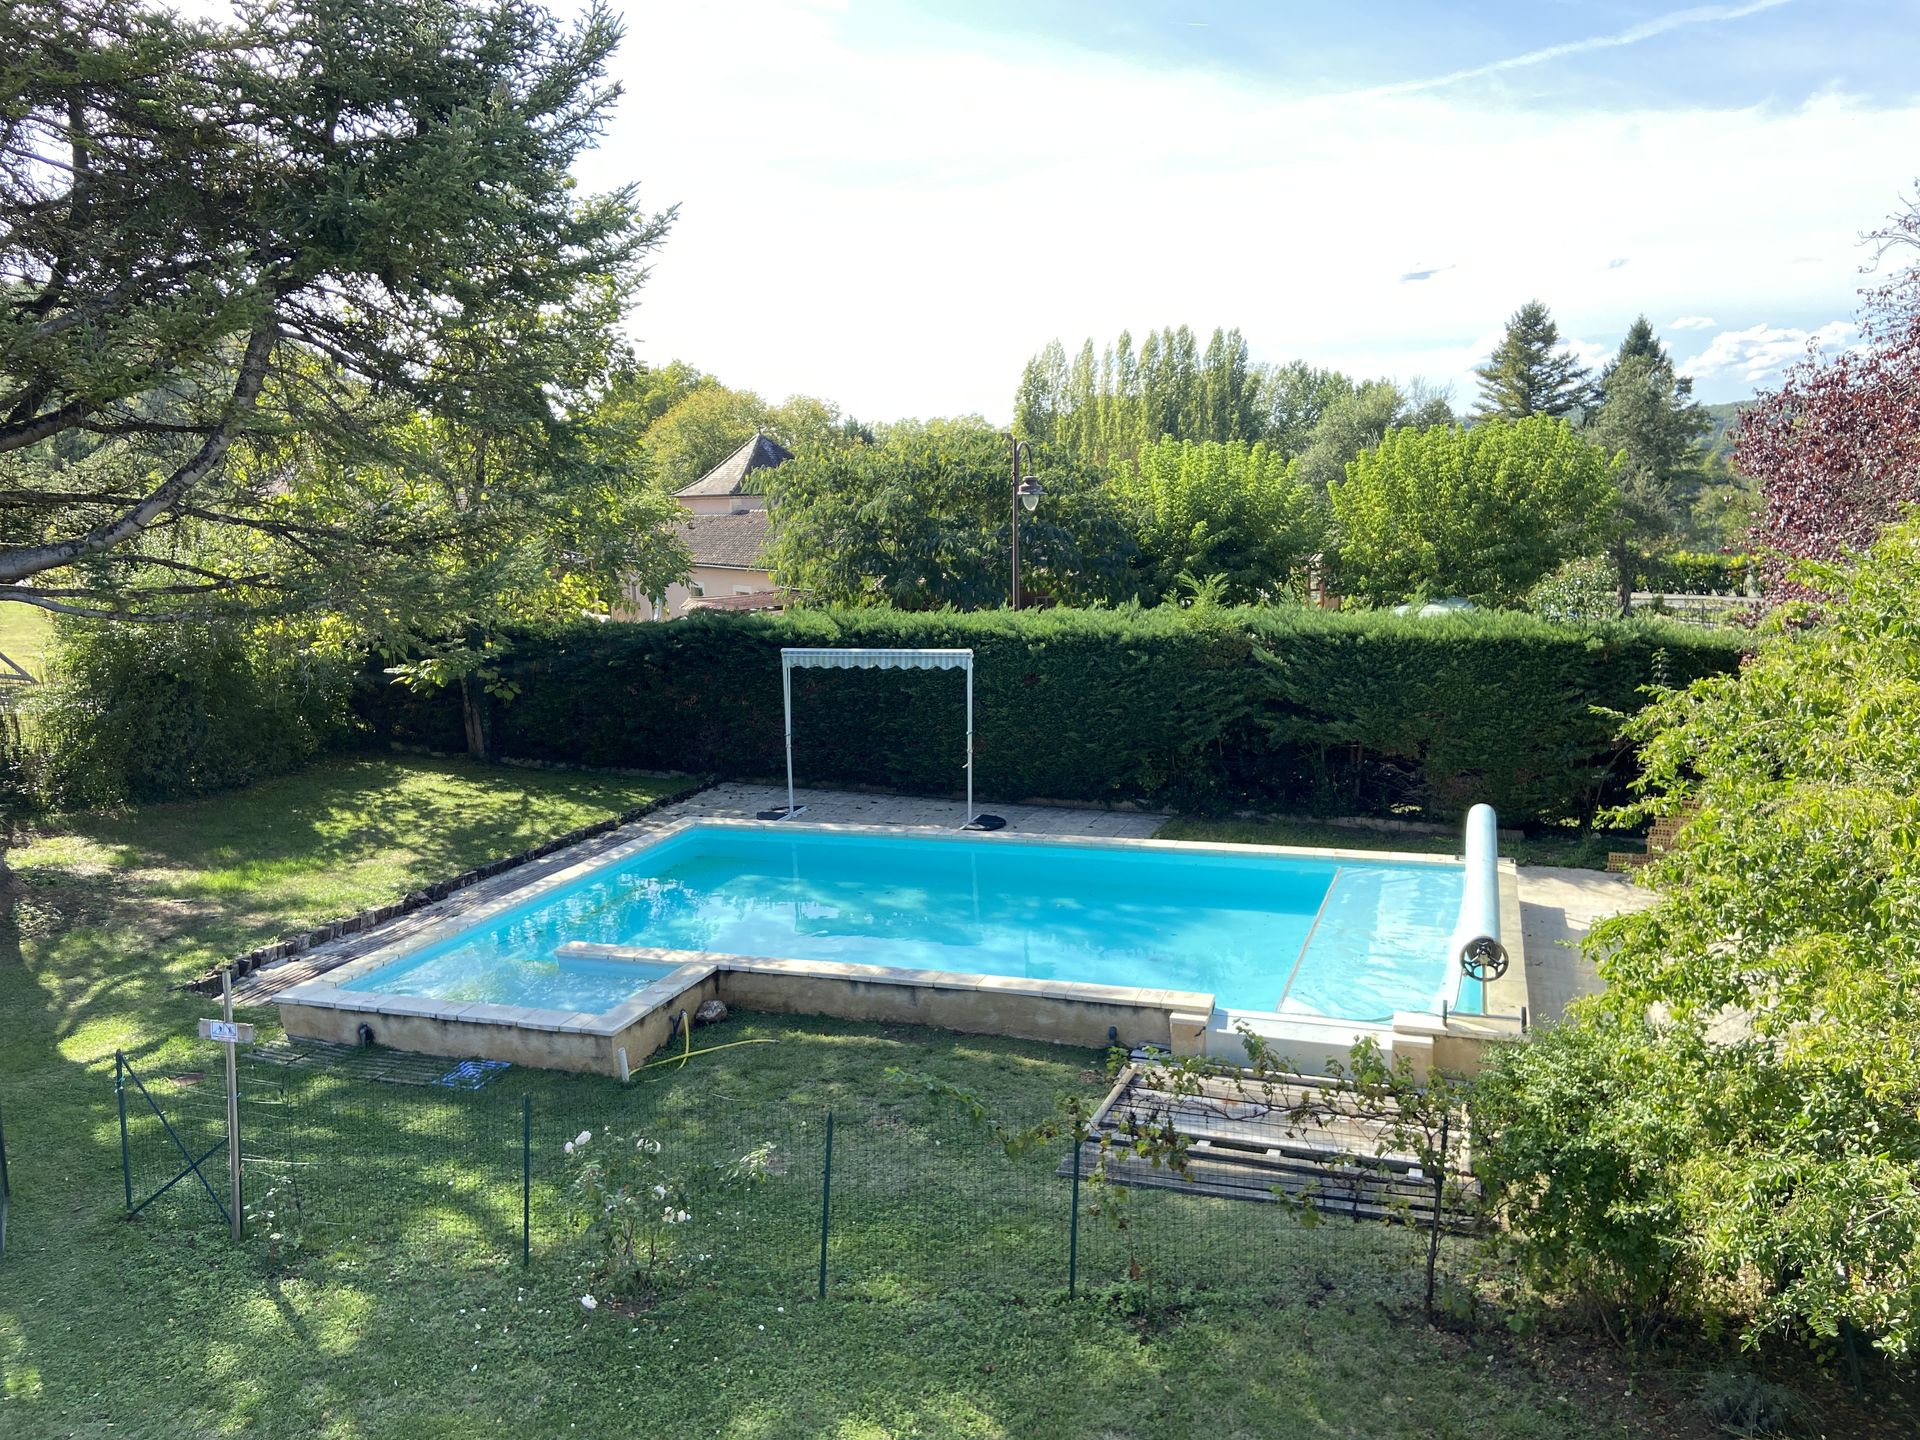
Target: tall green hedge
(1293, 709)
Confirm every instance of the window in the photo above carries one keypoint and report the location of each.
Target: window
(696, 589)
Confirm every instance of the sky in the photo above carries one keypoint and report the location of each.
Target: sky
(891, 205)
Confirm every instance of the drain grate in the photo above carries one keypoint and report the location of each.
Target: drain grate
(395, 1067)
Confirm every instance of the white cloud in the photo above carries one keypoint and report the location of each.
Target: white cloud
(898, 224)
(1691, 322)
(1632, 35)
(1759, 353)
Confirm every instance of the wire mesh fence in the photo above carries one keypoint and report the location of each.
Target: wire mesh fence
(173, 1141)
(878, 1196)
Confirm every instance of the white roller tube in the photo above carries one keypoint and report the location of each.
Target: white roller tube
(1476, 939)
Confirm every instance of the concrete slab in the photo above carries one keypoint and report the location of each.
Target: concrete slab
(1558, 906)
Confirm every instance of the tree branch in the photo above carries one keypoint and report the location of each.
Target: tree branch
(18, 562)
(32, 432)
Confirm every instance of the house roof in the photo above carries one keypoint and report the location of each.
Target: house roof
(729, 542)
(732, 475)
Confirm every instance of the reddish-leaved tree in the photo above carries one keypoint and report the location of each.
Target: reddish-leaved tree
(1836, 449)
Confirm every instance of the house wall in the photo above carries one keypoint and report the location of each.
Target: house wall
(713, 581)
(722, 504)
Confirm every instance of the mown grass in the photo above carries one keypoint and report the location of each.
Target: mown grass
(1575, 849)
(161, 1328)
(25, 631)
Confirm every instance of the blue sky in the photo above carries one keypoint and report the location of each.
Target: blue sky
(891, 205)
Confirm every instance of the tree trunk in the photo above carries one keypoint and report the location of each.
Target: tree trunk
(474, 714)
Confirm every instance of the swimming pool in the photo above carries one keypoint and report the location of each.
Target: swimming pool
(1341, 937)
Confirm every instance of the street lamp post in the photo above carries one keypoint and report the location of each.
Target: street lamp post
(1027, 491)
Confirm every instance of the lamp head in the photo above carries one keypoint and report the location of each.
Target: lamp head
(1029, 490)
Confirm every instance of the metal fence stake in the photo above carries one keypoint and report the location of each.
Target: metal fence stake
(120, 1097)
(1073, 1228)
(6, 1186)
(826, 1204)
(233, 1107)
(526, 1180)
(1439, 1205)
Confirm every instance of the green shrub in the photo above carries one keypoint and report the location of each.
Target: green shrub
(161, 712)
(1207, 709)
(1729, 1130)
(1586, 587)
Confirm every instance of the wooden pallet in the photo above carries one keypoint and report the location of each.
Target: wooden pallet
(1252, 1139)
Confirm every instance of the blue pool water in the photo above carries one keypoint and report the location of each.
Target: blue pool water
(1300, 936)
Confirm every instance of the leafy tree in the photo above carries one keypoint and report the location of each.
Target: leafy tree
(1482, 513)
(804, 422)
(710, 421)
(1293, 398)
(1648, 413)
(1729, 1129)
(638, 395)
(921, 520)
(1355, 422)
(239, 259)
(1207, 509)
(1529, 373)
(700, 430)
(1836, 449)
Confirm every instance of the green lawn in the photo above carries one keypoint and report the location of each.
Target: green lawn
(408, 1316)
(1588, 852)
(24, 632)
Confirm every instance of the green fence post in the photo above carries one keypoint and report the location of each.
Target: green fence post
(1073, 1228)
(526, 1180)
(6, 1187)
(826, 1204)
(120, 1097)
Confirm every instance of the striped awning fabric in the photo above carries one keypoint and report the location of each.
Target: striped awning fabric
(851, 658)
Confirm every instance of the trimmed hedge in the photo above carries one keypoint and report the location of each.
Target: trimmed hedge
(1691, 572)
(1278, 708)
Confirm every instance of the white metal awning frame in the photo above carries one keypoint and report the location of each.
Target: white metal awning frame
(793, 657)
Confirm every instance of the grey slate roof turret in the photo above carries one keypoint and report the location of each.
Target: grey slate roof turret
(732, 476)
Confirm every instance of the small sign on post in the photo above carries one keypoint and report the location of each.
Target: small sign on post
(231, 1032)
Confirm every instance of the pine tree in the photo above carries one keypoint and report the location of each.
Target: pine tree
(1530, 373)
(1648, 413)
